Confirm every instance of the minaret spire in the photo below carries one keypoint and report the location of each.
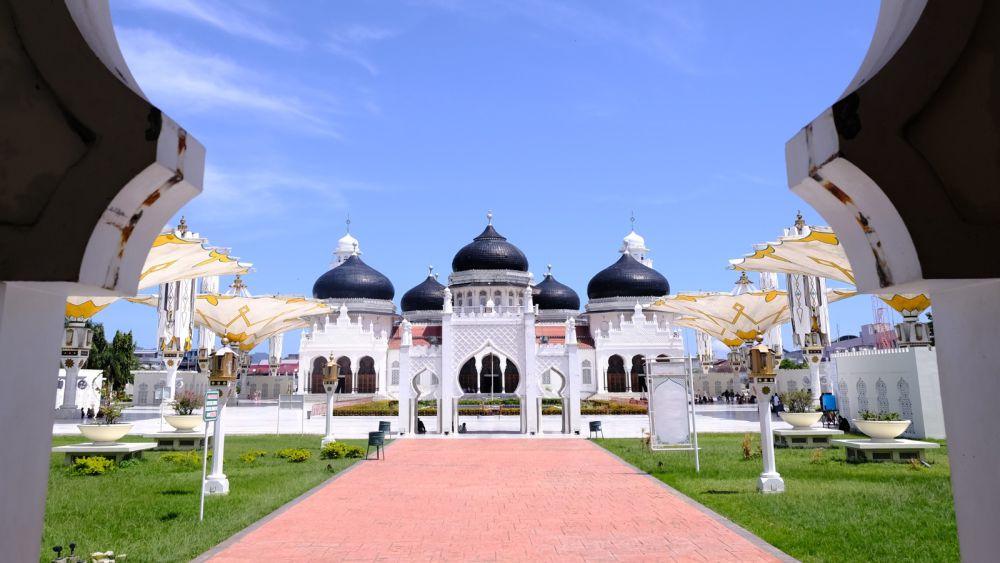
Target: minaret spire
(632, 221)
(489, 217)
(348, 223)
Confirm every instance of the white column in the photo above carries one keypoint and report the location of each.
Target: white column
(531, 387)
(31, 324)
(770, 480)
(328, 438)
(69, 392)
(813, 361)
(217, 483)
(573, 377)
(405, 388)
(965, 328)
(449, 372)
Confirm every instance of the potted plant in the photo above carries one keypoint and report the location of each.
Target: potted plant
(109, 430)
(881, 427)
(799, 409)
(184, 419)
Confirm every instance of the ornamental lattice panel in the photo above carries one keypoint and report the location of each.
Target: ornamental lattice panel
(546, 363)
(430, 363)
(844, 400)
(882, 396)
(905, 404)
(470, 339)
(862, 397)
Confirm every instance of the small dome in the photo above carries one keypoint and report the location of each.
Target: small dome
(348, 244)
(353, 279)
(489, 251)
(627, 278)
(428, 295)
(549, 294)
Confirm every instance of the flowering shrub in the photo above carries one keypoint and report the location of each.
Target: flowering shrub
(251, 456)
(183, 460)
(92, 465)
(294, 455)
(187, 401)
(338, 450)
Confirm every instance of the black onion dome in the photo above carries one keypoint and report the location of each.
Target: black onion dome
(627, 278)
(489, 251)
(550, 294)
(353, 279)
(428, 295)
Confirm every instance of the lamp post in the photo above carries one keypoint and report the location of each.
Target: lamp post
(72, 355)
(762, 377)
(223, 365)
(330, 375)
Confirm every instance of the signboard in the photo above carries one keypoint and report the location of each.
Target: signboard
(671, 406)
(211, 410)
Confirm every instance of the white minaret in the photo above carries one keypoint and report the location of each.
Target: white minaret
(347, 246)
(769, 281)
(634, 244)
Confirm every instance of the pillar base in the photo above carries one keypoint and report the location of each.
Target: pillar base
(216, 485)
(327, 440)
(770, 483)
(68, 413)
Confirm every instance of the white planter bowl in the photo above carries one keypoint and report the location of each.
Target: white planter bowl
(183, 422)
(801, 420)
(104, 434)
(882, 430)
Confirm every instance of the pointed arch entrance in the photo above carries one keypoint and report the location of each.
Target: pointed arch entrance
(345, 379)
(616, 375)
(367, 378)
(316, 376)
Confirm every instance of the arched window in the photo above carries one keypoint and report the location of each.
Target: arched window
(482, 298)
(345, 380)
(511, 377)
(143, 394)
(639, 373)
(510, 298)
(490, 375)
(395, 374)
(460, 300)
(468, 378)
(263, 390)
(498, 298)
(586, 373)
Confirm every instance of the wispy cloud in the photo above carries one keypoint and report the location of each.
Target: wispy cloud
(227, 17)
(348, 43)
(667, 32)
(261, 196)
(174, 77)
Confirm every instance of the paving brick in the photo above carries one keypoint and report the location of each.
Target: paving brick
(493, 500)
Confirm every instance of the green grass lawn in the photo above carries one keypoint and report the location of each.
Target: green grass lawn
(149, 510)
(831, 510)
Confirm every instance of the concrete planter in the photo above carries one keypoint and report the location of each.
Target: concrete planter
(882, 430)
(183, 422)
(104, 434)
(801, 420)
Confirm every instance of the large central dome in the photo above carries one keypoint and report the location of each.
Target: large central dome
(627, 278)
(489, 251)
(353, 279)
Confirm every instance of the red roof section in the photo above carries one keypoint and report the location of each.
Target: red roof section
(284, 368)
(422, 335)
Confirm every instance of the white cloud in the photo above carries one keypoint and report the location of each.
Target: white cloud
(173, 77)
(225, 17)
(348, 43)
(254, 196)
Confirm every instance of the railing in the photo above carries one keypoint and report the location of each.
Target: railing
(482, 311)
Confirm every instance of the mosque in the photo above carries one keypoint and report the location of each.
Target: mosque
(491, 332)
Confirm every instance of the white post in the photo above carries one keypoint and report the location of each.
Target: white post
(532, 397)
(31, 322)
(328, 438)
(770, 480)
(406, 424)
(217, 483)
(68, 408)
(573, 377)
(813, 358)
(449, 371)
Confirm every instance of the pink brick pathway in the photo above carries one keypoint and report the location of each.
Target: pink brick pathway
(493, 499)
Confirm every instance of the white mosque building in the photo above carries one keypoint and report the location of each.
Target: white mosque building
(490, 332)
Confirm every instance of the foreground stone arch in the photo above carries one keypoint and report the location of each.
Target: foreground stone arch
(92, 172)
(904, 166)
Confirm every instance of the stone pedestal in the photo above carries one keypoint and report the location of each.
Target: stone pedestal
(900, 451)
(68, 413)
(118, 451)
(178, 441)
(805, 438)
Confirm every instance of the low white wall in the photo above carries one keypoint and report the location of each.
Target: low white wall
(713, 383)
(267, 386)
(902, 380)
(147, 385)
(90, 395)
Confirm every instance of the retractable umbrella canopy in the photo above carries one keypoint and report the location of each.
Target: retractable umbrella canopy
(816, 252)
(734, 319)
(249, 321)
(171, 258)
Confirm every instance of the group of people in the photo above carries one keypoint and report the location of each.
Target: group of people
(87, 413)
(728, 397)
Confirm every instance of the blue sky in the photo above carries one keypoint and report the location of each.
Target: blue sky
(562, 117)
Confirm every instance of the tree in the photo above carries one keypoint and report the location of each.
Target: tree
(120, 360)
(787, 363)
(98, 347)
